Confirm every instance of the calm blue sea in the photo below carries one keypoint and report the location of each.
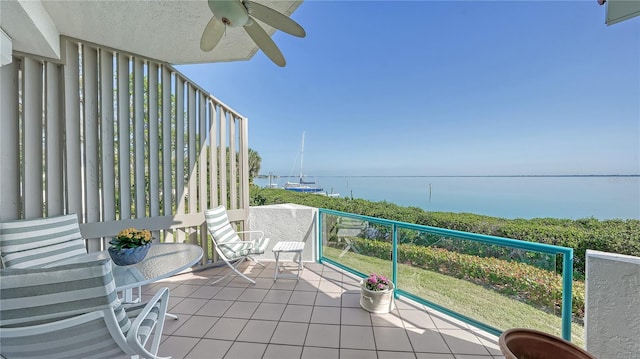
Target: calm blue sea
(508, 197)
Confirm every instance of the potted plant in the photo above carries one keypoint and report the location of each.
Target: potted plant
(522, 343)
(376, 294)
(130, 246)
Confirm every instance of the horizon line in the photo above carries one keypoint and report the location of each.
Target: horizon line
(547, 175)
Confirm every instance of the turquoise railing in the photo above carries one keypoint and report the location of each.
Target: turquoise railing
(567, 263)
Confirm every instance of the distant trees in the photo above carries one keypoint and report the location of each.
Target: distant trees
(254, 164)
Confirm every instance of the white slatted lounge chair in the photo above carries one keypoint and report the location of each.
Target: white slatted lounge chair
(41, 242)
(231, 249)
(72, 311)
(349, 228)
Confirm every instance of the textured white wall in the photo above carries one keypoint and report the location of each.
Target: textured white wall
(612, 308)
(286, 222)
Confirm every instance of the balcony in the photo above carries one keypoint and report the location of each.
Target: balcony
(318, 316)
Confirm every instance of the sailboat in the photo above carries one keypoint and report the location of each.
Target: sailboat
(302, 185)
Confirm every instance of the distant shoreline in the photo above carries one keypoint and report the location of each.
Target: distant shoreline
(447, 176)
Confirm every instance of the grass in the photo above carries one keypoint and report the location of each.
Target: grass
(466, 298)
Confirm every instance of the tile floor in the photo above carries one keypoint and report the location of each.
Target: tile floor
(318, 316)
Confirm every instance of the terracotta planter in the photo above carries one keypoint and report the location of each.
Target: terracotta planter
(376, 301)
(519, 343)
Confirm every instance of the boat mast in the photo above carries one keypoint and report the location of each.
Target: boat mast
(301, 156)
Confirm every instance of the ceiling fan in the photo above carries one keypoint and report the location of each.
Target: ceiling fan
(235, 13)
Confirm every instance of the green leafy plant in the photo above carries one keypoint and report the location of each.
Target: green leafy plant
(377, 283)
(131, 238)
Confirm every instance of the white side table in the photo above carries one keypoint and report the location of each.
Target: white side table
(287, 247)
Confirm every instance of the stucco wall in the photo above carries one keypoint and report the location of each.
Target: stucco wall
(612, 310)
(286, 222)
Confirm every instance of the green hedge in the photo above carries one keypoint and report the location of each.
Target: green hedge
(527, 283)
(616, 236)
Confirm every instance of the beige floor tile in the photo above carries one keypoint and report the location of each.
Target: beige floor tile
(350, 299)
(302, 297)
(392, 339)
(407, 304)
(246, 350)
(214, 307)
(177, 347)
(463, 342)
(206, 292)
(226, 329)
(305, 285)
(171, 325)
(320, 353)
(427, 340)
(326, 315)
(491, 345)
(396, 355)
(297, 313)
(269, 311)
(328, 299)
(241, 310)
(277, 296)
(391, 319)
(209, 349)
(229, 293)
(329, 287)
(258, 331)
(323, 335)
(263, 283)
(184, 291)
(356, 337)
(290, 333)
(471, 356)
(355, 316)
(284, 284)
(443, 321)
(253, 295)
(188, 306)
(434, 356)
(416, 319)
(357, 354)
(278, 351)
(196, 326)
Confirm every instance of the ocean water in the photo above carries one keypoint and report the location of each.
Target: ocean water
(574, 197)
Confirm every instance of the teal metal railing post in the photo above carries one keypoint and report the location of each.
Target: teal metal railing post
(394, 260)
(320, 237)
(567, 292)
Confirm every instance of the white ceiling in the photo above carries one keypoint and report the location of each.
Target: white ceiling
(165, 30)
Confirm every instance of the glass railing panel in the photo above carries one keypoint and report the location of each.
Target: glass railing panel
(360, 245)
(491, 282)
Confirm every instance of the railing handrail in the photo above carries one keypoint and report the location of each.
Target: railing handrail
(567, 256)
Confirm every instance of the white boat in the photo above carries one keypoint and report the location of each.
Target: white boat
(305, 186)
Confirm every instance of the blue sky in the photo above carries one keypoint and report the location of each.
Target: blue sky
(442, 88)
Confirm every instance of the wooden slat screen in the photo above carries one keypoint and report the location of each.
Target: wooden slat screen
(120, 140)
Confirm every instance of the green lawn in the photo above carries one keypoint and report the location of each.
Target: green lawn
(469, 299)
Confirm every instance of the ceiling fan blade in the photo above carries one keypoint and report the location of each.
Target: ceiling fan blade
(274, 18)
(212, 34)
(264, 42)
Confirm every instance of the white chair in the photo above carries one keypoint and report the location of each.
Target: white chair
(230, 248)
(72, 311)
(349, 228)
(41, 242)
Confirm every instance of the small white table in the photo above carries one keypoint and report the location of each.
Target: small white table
(288, 247)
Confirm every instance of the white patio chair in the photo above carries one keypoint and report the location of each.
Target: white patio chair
(42, 242)
(72, 311)
(230, 248)
(349, 228)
